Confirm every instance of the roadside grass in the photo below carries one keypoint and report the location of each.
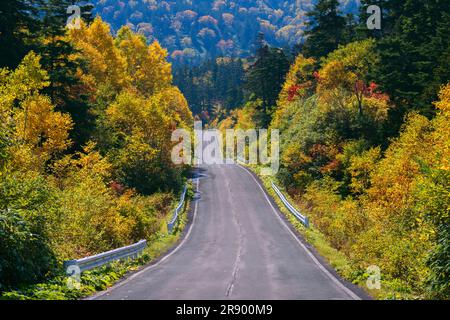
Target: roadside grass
(99, 279)
(390, 288)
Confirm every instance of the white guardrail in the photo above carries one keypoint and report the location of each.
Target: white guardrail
(128, 252)
(176, 213)
(88, 263)
(303, 219)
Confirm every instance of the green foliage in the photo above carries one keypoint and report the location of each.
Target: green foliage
(414, 53)
(25, 209)
(265, 79)
(18, 25)
(433, 198)
(320, 142)
(325, 29)
(213, 83)
(57, 58)
(4, 142)
(91, 281)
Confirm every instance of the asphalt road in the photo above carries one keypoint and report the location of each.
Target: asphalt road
(237, 247)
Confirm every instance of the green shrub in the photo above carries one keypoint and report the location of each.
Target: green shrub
(433, 198)
(25, 252)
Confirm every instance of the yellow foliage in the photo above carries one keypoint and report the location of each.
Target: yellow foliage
(131, 112)
(444, 104)
(26, 80)
(88, 207)
(356, 56)
(376, 108)
(341, 80)
(339, 220)
(441, 136)
(174, 105)
(105, 62)
(400, 237)
(245, 117)
(333, 75)
(89, 162)
(385, 225)
(91, 216)
(126, 112)
(336, 84)
(138, 149)
(393, 179)
(147, 65)
(300, 73)
(38, 125)
(38, 132)
(294, 157)
(361, 168)
(90, 222)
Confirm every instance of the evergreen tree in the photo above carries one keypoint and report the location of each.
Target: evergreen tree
(326, 29)
(414, 53)
(390, 12)
(215, 82)
(56, 53)
(265, 78)
(40, 25)
(18, 26)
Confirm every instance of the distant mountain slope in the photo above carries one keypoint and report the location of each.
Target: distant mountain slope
(193, 29)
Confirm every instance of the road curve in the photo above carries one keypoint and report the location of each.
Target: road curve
(237, 247)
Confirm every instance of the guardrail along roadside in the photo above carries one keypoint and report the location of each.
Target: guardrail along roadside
(128, 252)
(303, 219)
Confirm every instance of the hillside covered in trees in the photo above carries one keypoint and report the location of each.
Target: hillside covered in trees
(85, 126)
(212, 87)
(198, 34)
(365, 142)
(86, 117)
(193, 31)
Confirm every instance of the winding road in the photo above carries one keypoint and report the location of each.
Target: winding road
(238, 246)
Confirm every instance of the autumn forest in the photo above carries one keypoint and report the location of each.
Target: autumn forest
(87, 116)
